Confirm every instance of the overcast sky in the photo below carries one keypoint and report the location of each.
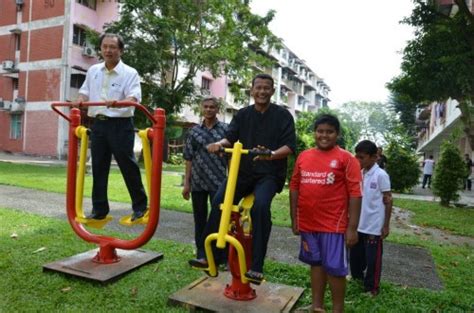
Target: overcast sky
(355, 46)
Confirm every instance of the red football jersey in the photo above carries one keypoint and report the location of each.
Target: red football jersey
(325, 180)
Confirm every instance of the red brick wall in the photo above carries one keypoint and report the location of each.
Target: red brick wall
(41, 133)
(7, 144)
(44, 44)
(22, 84)
(8, 15)
(44, 85)
(7, 44)
(47, 8)
(6, 88)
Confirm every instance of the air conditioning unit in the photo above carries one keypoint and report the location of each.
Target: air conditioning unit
(8, 65)
(18, 105)
(88, 51)
(20, 2)
(5, 105)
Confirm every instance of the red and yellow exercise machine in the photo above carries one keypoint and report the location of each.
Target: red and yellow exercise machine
(235, 229)
(90, 264)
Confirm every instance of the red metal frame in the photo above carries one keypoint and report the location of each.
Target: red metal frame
(107, 245)
(238, 290)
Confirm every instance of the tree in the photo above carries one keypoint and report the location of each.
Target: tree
(406, 110)
(438, 63)
(374, 121)
(169, 41)
(402, 167)
(449, 173)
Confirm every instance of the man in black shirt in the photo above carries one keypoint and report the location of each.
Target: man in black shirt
(263, 125)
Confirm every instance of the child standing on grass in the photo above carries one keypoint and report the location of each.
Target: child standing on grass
(325, 200)
(374, 219)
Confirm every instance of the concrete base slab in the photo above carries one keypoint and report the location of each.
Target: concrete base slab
(81, 265)
(207, 294)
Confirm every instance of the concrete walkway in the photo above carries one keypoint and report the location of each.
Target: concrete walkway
(404, 265)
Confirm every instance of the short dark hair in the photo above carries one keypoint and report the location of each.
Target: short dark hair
(327, 119)
(112, 35)
(263, 76)
(366, 146)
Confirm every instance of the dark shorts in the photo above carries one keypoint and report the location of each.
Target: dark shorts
(327, 250)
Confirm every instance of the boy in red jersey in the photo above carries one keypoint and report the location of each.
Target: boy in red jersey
(325, 201)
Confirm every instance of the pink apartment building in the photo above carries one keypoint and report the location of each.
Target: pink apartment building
(44, 57)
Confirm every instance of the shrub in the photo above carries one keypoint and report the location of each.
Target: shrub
(449, 173)
(402, 166)
(176, 159)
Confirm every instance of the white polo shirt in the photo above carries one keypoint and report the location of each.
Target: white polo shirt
(117, 84)
(372, 214)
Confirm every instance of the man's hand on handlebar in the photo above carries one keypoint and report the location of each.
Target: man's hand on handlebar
(262, 153)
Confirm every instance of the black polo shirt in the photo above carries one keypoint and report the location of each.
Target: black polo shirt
(273, 129)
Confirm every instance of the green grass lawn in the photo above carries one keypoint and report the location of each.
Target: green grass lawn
(26, 288)
(456, 220)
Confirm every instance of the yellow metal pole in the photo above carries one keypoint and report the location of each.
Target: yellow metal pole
(228, 204)
(143, 134)
(210, 256)
(81, 133)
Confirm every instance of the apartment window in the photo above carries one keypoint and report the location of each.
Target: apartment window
(15, 83)
(91, 4)
(15, 126)
(18, 42)
(79, 36)
(205, 83)
(77, 80)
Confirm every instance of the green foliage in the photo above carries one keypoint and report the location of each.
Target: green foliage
(438, 63)
(169, 41)
(402, 166)
(405, 108)
(176, 159)
(449, 173)
(371, 120)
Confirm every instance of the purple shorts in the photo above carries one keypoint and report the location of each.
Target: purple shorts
(327, 250)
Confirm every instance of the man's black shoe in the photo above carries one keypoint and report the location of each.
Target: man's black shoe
(198, 263)
(137, 215)
(96, 216)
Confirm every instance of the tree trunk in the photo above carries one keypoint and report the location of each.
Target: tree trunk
(467, 117)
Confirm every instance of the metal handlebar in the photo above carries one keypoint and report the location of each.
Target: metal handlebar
(251, 152)
(139, 106)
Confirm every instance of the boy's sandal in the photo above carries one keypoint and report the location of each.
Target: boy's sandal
(254, 277)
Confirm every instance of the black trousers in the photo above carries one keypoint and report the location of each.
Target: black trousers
(366, 256)
(115, 136)
(264, 189)
(426, 179)
(200, 209)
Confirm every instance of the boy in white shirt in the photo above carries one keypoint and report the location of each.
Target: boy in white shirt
(374, 222)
